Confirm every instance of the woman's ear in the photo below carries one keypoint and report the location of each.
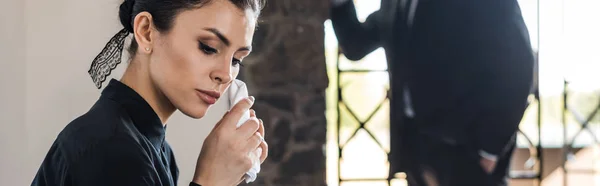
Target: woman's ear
(143, 29)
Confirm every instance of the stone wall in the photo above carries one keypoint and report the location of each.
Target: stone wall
(287, 74)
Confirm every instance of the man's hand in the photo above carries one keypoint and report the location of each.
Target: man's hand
(488, 165)
(488, 161)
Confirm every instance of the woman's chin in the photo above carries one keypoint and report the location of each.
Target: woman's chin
(195, 113)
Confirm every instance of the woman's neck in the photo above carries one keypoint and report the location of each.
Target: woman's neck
(137, 76)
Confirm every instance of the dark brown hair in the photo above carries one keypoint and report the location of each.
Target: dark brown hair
(164, 12)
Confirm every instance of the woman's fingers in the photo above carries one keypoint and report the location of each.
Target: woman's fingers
(252, 113)
(261, 128)
(254, 142)
(231, 119)
(265, 151)
(248, 129)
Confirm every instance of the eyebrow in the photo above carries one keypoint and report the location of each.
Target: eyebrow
(225, 40)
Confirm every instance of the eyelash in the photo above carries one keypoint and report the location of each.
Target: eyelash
(207, 49)
(237, 62)
(210, 50)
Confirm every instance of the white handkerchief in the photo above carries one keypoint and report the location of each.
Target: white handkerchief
(237, 92)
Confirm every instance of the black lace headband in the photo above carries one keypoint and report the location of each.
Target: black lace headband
(108, 59)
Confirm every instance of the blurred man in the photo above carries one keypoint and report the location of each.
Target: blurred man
(460, 74)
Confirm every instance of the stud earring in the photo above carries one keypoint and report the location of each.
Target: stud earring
(147, 49)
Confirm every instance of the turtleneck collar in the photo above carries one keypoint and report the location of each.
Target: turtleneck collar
(142, 114)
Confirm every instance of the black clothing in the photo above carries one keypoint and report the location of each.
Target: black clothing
(468, 65)
(452, 165)
(119, 141)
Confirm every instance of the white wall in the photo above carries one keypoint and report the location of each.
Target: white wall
(45, 51)
(13, 139)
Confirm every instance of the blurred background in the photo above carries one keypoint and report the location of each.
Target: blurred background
(327, 118)
(552, 136)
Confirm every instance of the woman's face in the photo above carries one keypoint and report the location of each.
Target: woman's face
(195, 62)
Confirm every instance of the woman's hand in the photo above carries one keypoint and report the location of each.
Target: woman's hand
(264, 147)
(227, 151)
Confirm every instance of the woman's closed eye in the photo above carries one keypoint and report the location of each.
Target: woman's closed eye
(207, 49)
(210, 50)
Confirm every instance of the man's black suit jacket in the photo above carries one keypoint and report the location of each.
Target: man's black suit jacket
(468, 65)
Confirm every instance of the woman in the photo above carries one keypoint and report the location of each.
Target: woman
(185, 53)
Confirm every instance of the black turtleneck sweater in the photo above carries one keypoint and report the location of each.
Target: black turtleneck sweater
(120, 141)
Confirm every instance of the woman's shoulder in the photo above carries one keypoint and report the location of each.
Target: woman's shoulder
(99, 123)
(102, 126)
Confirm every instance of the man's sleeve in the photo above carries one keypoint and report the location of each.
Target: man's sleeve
(356, 39)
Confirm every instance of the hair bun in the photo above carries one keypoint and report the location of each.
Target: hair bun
(125, 14)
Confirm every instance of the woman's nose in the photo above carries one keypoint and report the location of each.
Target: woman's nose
(222, 74)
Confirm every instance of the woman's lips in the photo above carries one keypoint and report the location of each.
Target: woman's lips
(209, 97)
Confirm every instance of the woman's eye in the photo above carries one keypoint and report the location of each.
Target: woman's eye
(236, 62)
(207, 49)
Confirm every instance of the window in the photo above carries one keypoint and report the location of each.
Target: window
(362, 149)
(569, 49)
